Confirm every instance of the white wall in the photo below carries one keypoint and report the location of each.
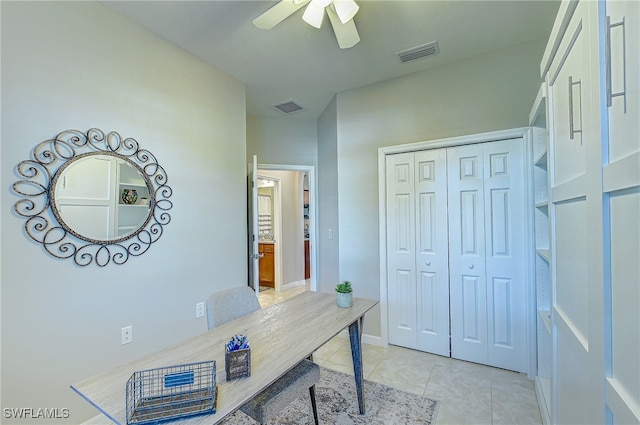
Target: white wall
(78, 65)
(328, 253)
(490, 92)
(286, 140)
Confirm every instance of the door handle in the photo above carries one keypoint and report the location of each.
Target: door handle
(607, 46)
(256, 256)
(470, 266)
(572, 128)
(428, 263)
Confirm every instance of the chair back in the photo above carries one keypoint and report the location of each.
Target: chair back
(230, 304)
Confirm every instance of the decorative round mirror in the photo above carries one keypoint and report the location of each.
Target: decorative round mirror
(109, 198)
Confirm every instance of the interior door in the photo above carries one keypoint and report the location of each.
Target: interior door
(252, 206)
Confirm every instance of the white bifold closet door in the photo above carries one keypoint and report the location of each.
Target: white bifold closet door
(456, 252)
(417, 252)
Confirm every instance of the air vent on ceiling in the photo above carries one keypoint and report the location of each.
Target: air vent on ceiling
(288, 107)
(419, 52)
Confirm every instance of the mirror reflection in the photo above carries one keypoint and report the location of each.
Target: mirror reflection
(101, 197)
(265, 209)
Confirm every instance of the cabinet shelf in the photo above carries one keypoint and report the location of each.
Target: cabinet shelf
(545, 254)
(121, 204)
(133, 183)
(545, 316)
(543, 205)
(541, 160)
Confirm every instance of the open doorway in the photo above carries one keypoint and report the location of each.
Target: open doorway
(293, 225)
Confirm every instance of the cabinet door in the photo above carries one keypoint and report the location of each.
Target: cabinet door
(621, 194)
(266, 264)
(86, 198)
(622, 64)
(576, 213)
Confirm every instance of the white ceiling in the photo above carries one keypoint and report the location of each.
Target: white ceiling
(295, 61)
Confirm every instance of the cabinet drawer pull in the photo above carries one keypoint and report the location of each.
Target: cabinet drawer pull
(609, 77)
(572, 129)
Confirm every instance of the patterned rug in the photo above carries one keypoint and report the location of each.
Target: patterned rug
(338, 405)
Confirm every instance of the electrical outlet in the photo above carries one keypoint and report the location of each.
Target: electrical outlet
(330, 233)
(199, 310)
(126, 335)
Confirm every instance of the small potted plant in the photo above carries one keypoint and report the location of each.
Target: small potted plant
(344, 294)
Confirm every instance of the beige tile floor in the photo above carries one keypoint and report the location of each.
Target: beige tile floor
(468, 393)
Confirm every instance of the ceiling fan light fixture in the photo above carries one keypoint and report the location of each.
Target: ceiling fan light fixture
(345, 9)
(314, 13)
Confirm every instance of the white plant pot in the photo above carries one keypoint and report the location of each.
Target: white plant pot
(344, 300)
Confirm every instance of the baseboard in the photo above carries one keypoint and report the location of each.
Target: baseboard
(366, 338)
(543, 401)
(293, 284)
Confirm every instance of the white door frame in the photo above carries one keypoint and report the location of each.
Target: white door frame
(310, 170)
(526, 134)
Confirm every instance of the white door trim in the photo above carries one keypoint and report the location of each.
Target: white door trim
(310, 170)
(525, 134)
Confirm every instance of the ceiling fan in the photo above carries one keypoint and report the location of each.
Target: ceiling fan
(340, 12)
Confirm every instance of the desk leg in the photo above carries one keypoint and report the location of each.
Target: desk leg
(355, 336)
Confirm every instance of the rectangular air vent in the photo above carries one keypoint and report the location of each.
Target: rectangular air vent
(419, 52)
(288, 107)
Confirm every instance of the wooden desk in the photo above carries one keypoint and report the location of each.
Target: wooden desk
(280, 335)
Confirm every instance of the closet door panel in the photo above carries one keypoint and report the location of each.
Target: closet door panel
(505, 253)
(401, 252)
(466, 253)
(432, 259)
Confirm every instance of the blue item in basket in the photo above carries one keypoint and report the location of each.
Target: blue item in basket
(238, 342)
(176, 379)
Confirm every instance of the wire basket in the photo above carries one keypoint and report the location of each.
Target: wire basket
(169, 393)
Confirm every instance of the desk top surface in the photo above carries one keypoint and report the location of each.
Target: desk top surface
(280, 336)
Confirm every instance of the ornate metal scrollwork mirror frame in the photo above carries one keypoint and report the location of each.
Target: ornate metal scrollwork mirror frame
(46, 225)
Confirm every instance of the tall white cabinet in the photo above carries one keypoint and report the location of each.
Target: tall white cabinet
(591, 70)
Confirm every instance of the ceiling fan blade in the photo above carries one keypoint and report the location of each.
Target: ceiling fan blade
(346, 34)
(278, 13)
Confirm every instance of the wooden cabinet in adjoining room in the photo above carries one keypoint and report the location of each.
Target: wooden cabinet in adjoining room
(307, 260)
(266, 264)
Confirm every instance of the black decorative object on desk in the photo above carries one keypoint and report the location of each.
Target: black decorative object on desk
(237, 358)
